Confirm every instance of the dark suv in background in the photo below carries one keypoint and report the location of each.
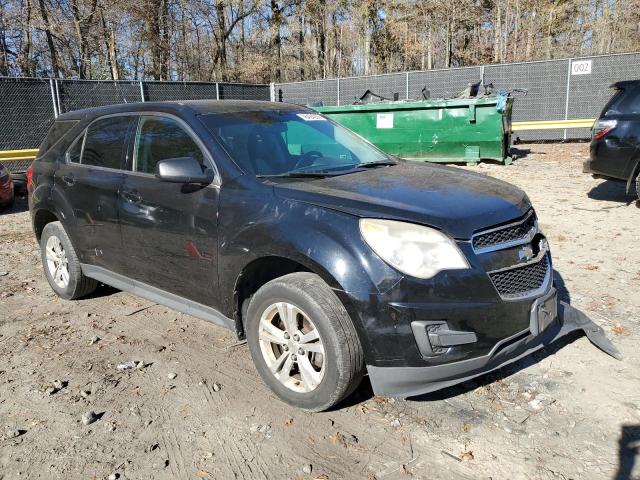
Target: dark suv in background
(615, 144)
(332, 258)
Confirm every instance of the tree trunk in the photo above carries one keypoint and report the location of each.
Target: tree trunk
(550, 34)
(55, 69)
(516, 33)
(222, 42)
(449, 42)
(497, 33)
(301, 24)
(276, 39)
(109, 36)
(165, 73)
(367, 43)
(429, 47)
(24, 59)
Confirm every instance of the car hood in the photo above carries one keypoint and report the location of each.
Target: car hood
(456, 201)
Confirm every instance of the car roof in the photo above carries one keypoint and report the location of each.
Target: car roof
(198, 107)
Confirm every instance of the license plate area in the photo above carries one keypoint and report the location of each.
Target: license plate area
(544, 312)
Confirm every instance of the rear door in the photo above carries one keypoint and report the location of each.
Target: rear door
(87, 185)
(169, 230)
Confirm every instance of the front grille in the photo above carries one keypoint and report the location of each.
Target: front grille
(510, 233)
(521, 281)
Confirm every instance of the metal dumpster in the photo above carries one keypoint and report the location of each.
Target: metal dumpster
(456, 130)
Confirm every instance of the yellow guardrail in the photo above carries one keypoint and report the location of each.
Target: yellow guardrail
(28, 154)
(552, 124)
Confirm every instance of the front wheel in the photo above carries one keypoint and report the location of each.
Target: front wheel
(303, 343)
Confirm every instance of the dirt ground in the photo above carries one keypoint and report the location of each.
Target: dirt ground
(570, 412)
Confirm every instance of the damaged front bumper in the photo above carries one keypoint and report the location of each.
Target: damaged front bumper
(411, 381)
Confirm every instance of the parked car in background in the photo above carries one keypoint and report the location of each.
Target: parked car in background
(331, 257)
(615, 143)
(6, 187)
(18, 170)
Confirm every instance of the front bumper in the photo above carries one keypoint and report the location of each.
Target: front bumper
(411, 381)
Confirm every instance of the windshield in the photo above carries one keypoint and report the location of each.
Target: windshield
(272, 142)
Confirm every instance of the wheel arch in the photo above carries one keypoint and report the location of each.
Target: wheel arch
(264, 269)
(635, 171)
(41, 218)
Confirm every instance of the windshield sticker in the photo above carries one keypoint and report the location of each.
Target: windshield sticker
(310, 117)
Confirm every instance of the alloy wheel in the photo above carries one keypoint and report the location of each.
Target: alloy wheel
(57, 261)
(291, 347)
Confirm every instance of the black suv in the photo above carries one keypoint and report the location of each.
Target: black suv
(332, 258)
(615, 143)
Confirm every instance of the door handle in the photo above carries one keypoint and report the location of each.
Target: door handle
(131, 196)
(68, 179)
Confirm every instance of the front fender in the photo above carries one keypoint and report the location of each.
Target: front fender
(323, 240)
(254, 224)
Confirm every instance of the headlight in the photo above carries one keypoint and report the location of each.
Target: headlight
(413, 249)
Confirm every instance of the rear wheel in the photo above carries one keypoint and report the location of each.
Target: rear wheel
(61, 264)
(303, 343)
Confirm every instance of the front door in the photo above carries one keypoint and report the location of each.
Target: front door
(169, 230)
(88, 182)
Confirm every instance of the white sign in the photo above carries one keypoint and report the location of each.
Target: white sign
(581, 67)
(311, 117)
(384, 120)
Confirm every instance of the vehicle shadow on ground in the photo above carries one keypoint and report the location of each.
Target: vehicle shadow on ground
(365, 391)
(102, 291)
(628, 451)
(613, 191)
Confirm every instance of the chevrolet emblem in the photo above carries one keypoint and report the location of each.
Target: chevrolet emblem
(526, 253)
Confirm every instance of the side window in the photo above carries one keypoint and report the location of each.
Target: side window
(105, 141)
(631, 102)
(160, 138)
(73, 154)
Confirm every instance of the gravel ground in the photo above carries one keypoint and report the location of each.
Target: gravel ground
(193, 406)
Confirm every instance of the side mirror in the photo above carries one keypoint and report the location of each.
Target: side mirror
(183, 170)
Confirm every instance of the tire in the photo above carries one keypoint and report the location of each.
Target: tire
(314, 305)
(78, 285)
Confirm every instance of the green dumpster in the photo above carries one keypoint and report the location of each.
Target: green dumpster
(455, 130)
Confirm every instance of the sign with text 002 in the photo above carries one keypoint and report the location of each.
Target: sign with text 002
(581, 67)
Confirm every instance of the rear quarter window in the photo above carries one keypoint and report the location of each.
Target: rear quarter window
(624, 102)
(58, 130)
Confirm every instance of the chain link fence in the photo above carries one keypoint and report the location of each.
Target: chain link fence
(30, 105)
(567, 89)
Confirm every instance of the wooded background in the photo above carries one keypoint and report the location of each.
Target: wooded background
(270, 40)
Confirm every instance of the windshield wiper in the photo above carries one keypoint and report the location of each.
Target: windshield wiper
(381, 163)
(329, 173)
(296, 175)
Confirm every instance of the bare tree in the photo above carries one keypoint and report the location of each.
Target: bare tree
(273, 40)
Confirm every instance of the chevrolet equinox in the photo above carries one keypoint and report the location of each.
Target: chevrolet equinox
(330, 257)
